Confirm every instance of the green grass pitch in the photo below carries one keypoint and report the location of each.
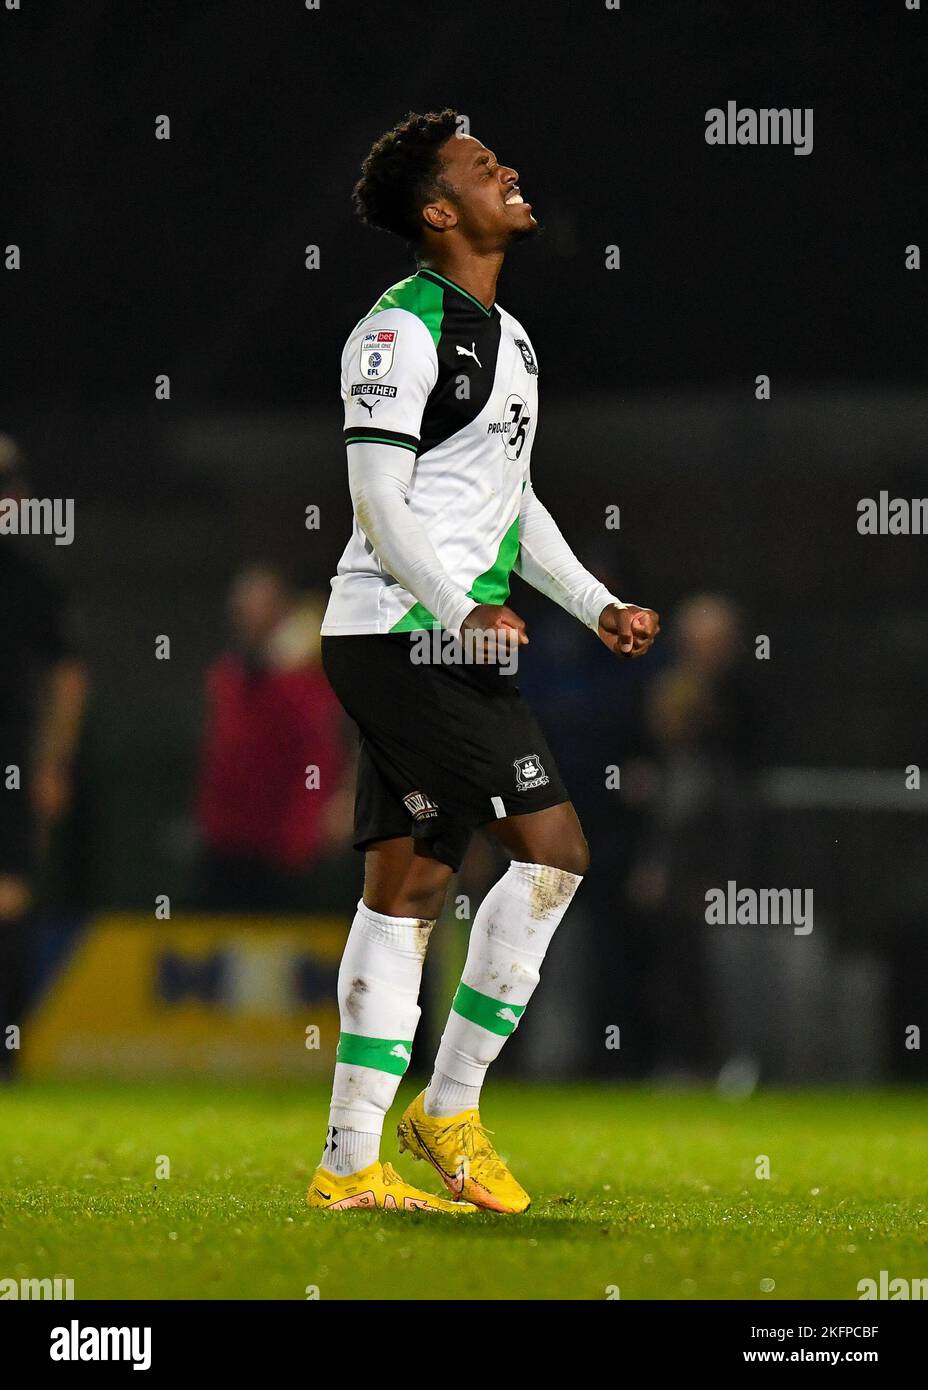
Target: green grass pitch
(653, 1194)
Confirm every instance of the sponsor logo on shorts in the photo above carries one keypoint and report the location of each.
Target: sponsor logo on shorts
(529, 773)
(419, 806)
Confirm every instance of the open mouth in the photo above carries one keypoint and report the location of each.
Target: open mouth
(514, 198)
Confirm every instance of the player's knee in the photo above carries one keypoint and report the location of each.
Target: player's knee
(581, 856)
(422, 895)
(573, 856)
(425, 902)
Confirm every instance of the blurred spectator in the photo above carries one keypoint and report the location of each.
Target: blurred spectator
(271, 719)
(43, 689)
(708, 731)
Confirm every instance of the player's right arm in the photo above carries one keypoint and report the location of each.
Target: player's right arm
(389, 368)
(379, 477)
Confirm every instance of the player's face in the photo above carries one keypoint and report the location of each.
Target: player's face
(488, 201)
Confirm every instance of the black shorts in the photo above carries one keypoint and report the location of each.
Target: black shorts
(444, 748)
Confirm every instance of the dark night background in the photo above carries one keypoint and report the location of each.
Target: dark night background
(188, 251)
(186, 257)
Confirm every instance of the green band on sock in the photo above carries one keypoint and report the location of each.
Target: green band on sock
(383, 1054)
(493, 1014)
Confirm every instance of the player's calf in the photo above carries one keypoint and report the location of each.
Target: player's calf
(508, 942)
(378, 994)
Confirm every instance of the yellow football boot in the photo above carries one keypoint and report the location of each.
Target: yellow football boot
(459, 1149)
(378, 1185)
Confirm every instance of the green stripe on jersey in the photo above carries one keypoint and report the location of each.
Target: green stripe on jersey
(417, 618)
(493, 585)
(490, 587)
(420, 297)
(495, 1015)
(372, 439)
(427, 270)
(383, 1054)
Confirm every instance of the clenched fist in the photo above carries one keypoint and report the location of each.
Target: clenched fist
(628, 631)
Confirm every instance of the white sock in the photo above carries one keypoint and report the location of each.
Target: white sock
(347, 1151)
(447, 1097)
(378, 993)
(508, 941)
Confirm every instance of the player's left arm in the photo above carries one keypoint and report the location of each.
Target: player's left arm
(546, 561)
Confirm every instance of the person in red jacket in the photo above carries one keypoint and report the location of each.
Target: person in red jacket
(271, 797)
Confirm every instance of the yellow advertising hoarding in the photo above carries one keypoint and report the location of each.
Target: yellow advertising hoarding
(198, 995)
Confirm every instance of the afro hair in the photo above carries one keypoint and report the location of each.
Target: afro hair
(401, 172)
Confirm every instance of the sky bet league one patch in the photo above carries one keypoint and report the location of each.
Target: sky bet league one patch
(377, 352)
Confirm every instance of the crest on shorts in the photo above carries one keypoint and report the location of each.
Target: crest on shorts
(420, 806)
(529, 772)
(377, 350)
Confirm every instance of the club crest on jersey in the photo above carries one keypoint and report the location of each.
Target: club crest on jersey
(419, 806)
(529, 773)
(531, 365)
(377, 350)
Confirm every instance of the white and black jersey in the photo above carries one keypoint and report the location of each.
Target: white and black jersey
(441, 410)
(432, 371)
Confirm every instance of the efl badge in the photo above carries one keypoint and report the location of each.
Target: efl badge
(529, 773)
(377, 352)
